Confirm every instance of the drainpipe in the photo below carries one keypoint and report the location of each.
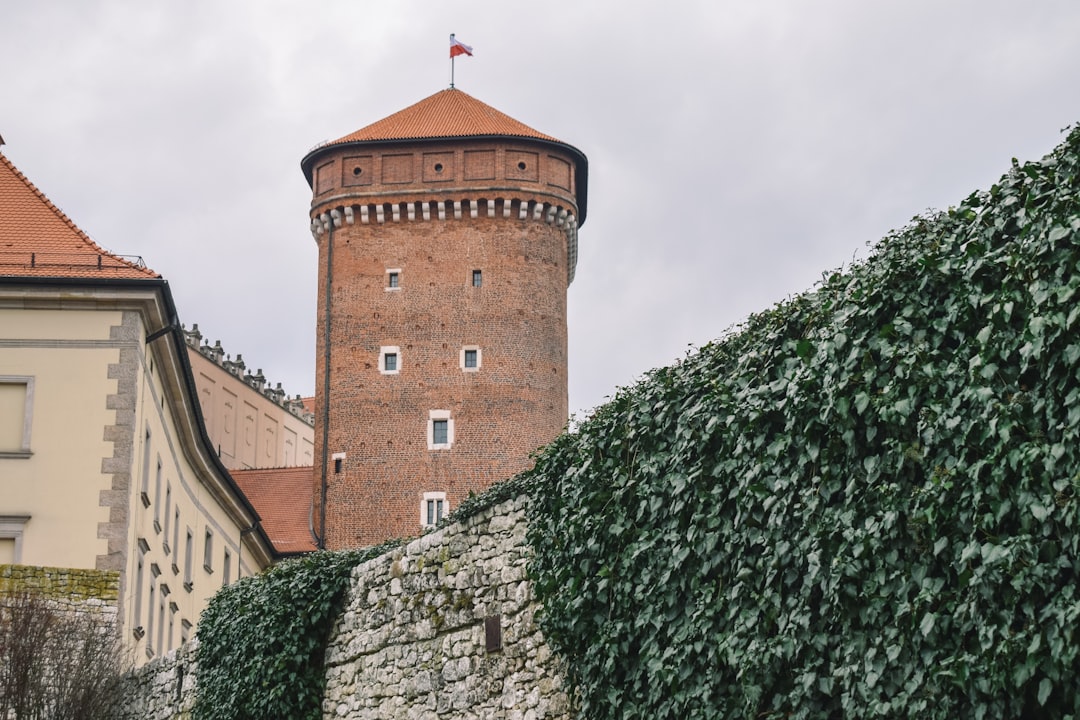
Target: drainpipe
(334, 217)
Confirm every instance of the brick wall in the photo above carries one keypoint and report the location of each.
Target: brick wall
(516, 400)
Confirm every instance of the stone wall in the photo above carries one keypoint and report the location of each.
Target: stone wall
(66, 589)
(163, 689)
(413, 640)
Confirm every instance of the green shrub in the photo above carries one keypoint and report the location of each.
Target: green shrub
(262, 640)
(863, 503)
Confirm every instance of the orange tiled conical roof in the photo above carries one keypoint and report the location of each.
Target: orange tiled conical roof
(448, 113)
(38, 240)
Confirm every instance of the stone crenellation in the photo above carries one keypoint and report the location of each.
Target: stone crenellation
(238, 368)
(519, 208)
(442, 628)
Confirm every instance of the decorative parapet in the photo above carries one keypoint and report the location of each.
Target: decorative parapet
(238, 368)
(427, 210)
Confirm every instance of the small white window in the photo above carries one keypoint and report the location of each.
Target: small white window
(440, 430)
(390, 360)
(433, 508)
(477, 278)
(470, 358)
(16, 414)
(393, 279)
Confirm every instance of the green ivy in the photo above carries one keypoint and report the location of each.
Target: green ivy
(862, 503)
(262, 640)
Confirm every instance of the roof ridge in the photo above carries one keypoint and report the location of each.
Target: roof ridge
(448, 113)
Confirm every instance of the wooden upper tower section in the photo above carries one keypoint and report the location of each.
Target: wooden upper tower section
(447, 237)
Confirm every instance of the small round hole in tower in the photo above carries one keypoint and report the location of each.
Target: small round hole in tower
(521, 165)
(438, 167)
(357, 171)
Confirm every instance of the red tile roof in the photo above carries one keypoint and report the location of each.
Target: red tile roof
(282, 497)
(448, 113)
(38, 240)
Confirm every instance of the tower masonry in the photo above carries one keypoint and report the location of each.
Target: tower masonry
(447, 237)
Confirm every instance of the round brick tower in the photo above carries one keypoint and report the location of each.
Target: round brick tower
(447, 237)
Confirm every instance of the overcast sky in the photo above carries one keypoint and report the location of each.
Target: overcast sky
(737, 150)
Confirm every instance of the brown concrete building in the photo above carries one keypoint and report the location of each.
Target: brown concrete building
(447, 237)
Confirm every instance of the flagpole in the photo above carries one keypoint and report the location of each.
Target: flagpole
(451, 62)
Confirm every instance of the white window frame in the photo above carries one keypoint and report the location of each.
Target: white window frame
(389, 272)
(434, 415)
(27, 381)
(479, 358)
(12, 528)
(389, 350)
(433, 497)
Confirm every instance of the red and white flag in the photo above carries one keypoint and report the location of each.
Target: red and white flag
(459, 48)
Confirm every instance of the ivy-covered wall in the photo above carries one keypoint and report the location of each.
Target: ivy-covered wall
(861, 503)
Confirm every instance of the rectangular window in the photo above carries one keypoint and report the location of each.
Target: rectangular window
(439, 432)
(176, 540)
(7, 551)
(144, 489)
(168, 515)
(433, 508)
(189, 542)
(157, 497)
(471, 358)
(208, 551)
(434, 511)
(161, 623)
(172, 625)
(11, 538)
(389, 359)
(393, 279)
(137, 624)
(226, 569)
(16, 414)
(150, 623)
(477, 278)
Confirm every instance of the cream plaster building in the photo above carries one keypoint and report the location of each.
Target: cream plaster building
(105, 462)
(250, 424)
